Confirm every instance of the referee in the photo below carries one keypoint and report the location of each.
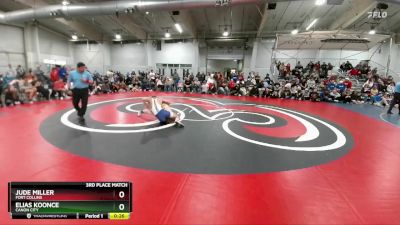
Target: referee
(80, 79)
(396, 98)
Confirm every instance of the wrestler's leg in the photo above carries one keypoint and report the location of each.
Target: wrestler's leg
(147, 107)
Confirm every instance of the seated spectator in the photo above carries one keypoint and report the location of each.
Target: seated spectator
(187, 85)
(204, 87)
(356, 98)
(341, 87)
(20, 72)
(346, 96)
(30, 76)
(391, 88)
(160, 84)
(136, 84)
(354, 72)
(176, 79)
(268, 79)
(342, 68)
(310, 66)
(348, 66)
(299, 66)
(311, 83)
(386, 98)
(59, 89)
(241, 88)
(252, 89)
(241, 77)
(145, 84)
(41, 89)
(380, 100)
(330, 67)
(223, 88)
(106, 88)
(335, 95)
(196, 87)
(374, 92)
(54, 74)
(299, 95)
(168, 84)
(257, 78)
(62, 73)
(325, 95)
(116, 86)
(306, 94)
(331, 85)
(366, 88)
(324, 70)
(314, 95)
(285, 93)
(388, 80)
(8, 91)
(294, 91)
(180, 86)
(10, 95)
(28, 89)
(234, 77)
(348, 83)
(96, 88)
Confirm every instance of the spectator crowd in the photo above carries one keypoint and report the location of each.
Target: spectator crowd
(312, 82)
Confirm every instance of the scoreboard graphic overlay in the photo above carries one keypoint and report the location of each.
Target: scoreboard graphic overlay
(72, 200)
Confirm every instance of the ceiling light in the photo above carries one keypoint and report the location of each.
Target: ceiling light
(372, 32)
(295, 31)
(74, 37)
(320, 2)
(178, 28)
(167, 34)
(312, 24)
(65, 3)
(225, 33)
(118, 37)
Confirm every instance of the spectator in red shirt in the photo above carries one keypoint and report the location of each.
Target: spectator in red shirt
(54, 74)
(354, 72)
(59, 88)
(241, 77)
(288, 68)
(348, 83)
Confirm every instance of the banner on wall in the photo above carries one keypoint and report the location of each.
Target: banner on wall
(343, 40)
(55, 62)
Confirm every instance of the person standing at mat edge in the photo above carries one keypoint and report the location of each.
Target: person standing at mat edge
(396, 98)
(80, 80)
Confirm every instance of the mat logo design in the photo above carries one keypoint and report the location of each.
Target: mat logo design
(263, 125)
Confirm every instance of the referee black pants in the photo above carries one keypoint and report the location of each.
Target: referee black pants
(80, 95)
(396, 100)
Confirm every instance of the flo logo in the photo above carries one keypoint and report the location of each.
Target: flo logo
(220, 137)
(377, 14)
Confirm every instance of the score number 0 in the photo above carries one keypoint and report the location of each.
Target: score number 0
(121, 194)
